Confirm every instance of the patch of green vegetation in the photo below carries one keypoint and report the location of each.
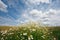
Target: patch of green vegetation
(30, 32)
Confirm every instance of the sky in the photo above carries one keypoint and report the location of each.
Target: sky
(16, 12)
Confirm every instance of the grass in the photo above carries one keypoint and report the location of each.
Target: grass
(29, 32)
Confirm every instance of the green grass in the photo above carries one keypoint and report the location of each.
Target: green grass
(29, 32)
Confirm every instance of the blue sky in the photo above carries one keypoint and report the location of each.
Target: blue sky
(15, 12)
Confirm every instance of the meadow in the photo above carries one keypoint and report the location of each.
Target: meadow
(29, 32)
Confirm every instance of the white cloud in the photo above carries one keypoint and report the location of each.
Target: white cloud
(37, 2)
(53, 11)
(38, 13)
(3, 7)
(35, 15)
(46, 17)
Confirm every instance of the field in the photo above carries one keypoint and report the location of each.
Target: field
(29, 32)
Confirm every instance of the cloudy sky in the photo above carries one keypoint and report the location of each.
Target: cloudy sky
(15, 12)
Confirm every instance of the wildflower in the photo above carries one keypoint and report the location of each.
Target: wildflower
(11, 33)
(20, 34)
(2, 38)
(24, 29)
(43, 36)
(33, 29)
(54, 38)
(2, 31)
(10, 29)
(24, 33)
(50, 32)
(31, 36)
(5, 31)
